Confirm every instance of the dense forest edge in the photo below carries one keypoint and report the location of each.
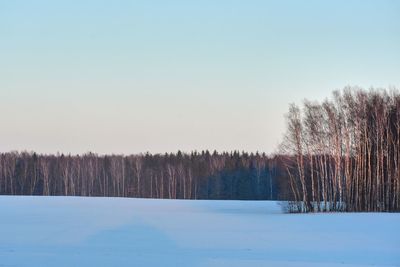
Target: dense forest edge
(196, 175)
(342, 154)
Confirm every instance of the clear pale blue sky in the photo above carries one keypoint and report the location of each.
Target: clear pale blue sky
(136, 76)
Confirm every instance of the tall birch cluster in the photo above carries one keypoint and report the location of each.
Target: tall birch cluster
(345, 152)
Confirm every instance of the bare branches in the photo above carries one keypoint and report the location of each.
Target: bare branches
(348, 149)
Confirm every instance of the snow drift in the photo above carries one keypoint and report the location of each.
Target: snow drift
(77, 231)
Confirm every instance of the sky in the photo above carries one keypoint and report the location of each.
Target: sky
(160, 76)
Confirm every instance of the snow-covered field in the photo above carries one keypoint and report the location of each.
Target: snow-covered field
(73, 231)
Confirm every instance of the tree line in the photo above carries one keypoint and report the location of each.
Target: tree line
(345, 152)
(196, 175)
(341, 154)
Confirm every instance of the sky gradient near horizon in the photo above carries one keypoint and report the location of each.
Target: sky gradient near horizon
(158, 76)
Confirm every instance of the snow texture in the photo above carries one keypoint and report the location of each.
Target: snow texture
(77, 231)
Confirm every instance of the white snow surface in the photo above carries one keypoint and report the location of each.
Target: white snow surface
(79, 231)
